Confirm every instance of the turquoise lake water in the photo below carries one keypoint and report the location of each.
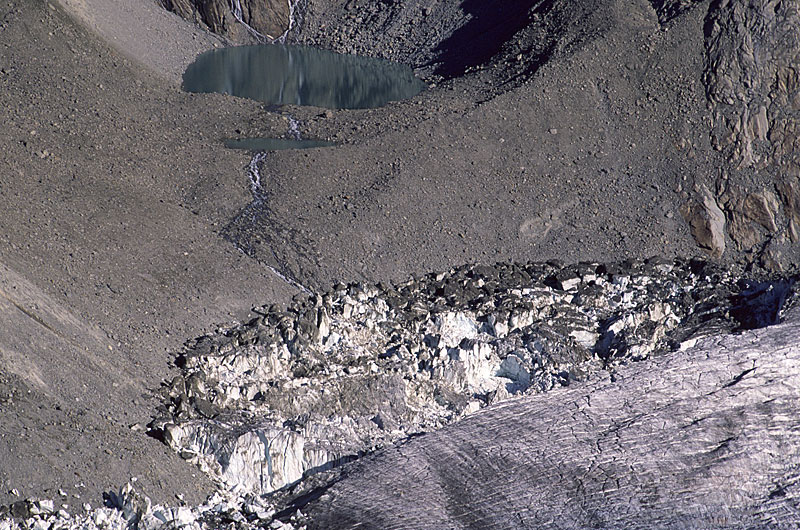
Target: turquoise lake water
(275, 144)
(300, 75)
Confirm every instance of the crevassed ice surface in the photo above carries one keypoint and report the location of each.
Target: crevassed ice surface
(300, 75)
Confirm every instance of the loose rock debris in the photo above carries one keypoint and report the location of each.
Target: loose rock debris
(334, 376)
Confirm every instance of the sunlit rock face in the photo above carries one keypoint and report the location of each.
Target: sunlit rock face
(334, 376)
(753, 83)
(240, 20)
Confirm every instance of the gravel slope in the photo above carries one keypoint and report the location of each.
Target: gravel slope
(120, 204)
(106, 262)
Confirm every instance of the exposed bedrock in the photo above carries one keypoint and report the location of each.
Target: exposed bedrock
(335, 376)
(707, 222)
(753, 88)
(753, 49)
(240, 21)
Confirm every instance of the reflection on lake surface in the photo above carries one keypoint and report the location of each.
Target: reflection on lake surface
(299, 75)
(274, 144)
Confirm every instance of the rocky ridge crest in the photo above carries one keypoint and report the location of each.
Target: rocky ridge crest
(240, 21)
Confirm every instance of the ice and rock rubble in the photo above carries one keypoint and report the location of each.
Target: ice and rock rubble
(130, 509)
(302, 389)
(264, 404)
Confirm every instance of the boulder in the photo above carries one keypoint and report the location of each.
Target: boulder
(707, 222)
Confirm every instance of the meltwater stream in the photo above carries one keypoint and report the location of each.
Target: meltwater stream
(279, 74)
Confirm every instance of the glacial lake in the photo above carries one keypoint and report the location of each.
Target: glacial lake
(300, 75)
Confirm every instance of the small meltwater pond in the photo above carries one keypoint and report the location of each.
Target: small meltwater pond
(275, 144)
(300, 75)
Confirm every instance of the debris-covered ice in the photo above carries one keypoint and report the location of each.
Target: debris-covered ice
(299, 390)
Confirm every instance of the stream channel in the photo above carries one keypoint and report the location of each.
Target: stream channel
(278, 74)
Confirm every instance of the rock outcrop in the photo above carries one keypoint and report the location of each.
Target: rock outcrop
(263, 405)
(240, 21)
(754, 93)
(752, 217)
(753, 85)
(707, 223)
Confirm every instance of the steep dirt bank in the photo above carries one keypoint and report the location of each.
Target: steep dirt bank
(105, 265)
(141, 31)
